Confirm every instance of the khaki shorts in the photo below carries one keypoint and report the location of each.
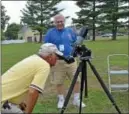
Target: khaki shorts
(61, 71)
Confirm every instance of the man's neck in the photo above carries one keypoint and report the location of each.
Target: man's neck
(59, 29)
(40, 56)
(44, 58)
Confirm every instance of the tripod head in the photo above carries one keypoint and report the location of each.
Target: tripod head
(83, 52)
(80, 50)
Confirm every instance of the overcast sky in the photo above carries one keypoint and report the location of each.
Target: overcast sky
(13, 10)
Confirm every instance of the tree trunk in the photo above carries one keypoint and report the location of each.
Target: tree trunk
(93, 31)
(41, 24)
(93, 21)
(114, 30)
(40, 39)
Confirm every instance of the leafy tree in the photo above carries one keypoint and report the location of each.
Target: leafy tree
(87, 15)
(2, 35)
(111, 12)
(102, 15)
(12, 31)
(4, 18)
(124, 14)
(29, 14)
(38, 13)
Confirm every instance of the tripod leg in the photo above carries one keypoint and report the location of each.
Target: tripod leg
(104, 86)
(71, 88)
(83, 80)
(81, 87)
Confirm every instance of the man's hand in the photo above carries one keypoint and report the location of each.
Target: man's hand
(31, 100)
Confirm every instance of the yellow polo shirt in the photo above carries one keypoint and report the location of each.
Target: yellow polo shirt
(30, 72)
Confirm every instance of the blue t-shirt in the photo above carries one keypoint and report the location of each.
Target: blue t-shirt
(63, 39)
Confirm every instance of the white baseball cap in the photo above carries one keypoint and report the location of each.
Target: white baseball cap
(49, 48)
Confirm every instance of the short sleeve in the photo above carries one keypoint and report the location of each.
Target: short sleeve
(47, 38)
(40, 78)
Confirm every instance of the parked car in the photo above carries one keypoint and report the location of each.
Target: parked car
(120, 34)
(107, 35)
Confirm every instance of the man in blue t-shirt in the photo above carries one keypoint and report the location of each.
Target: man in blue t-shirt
(63, 38)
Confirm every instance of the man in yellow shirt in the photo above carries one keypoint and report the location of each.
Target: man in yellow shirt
(23, 82)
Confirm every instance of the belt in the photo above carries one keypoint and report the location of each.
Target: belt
(6, 105)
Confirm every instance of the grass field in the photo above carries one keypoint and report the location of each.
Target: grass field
(97, 101)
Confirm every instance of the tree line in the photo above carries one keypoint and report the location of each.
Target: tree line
(101, 15)
(97, 15)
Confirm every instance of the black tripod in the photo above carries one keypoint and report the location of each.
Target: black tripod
(83, 68)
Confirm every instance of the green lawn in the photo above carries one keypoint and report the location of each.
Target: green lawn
(97, 101)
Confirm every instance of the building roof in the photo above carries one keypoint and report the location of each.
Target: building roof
(23, 29)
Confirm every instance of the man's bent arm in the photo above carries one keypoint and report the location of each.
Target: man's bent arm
(31, 100)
